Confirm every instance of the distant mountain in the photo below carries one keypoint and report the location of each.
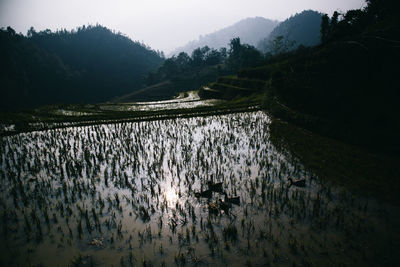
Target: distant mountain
(302, 28)
(249, 30)
(91, 64)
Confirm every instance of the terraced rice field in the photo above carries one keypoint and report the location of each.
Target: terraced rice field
(125, 194)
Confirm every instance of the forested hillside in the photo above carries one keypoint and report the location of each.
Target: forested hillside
(301, 29)
(90, 64)
(346, 88)
(190, 72)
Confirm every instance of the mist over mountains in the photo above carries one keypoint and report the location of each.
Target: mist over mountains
(249, 30)
(300, 29)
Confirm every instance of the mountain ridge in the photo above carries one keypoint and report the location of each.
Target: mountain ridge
(300, 29)
(249, 30)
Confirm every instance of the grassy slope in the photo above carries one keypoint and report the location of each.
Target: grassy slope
(340, 163)
(158, 91)
(189, 80)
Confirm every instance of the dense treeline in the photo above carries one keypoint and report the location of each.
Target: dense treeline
(29, 75)
(90, 64)
(184, 72)
(347, 87)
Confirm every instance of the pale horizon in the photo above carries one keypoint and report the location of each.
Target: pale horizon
(162, 25)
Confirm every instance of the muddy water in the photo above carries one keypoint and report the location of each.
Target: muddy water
(124, 194)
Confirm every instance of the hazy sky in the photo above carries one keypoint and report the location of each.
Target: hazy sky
(162, 24)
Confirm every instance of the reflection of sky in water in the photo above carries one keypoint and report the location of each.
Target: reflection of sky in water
(192, 100)
(139, 180)
(161, 106)
(170, 195)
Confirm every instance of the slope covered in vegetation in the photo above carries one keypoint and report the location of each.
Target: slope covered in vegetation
(301, 29)
(90, 64)
(347, 87)
(184, 73)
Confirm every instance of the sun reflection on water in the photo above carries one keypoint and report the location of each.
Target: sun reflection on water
(170, 195)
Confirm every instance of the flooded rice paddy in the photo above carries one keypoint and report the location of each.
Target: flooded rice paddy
(162, 105)
(185, 100)
(128, 194)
